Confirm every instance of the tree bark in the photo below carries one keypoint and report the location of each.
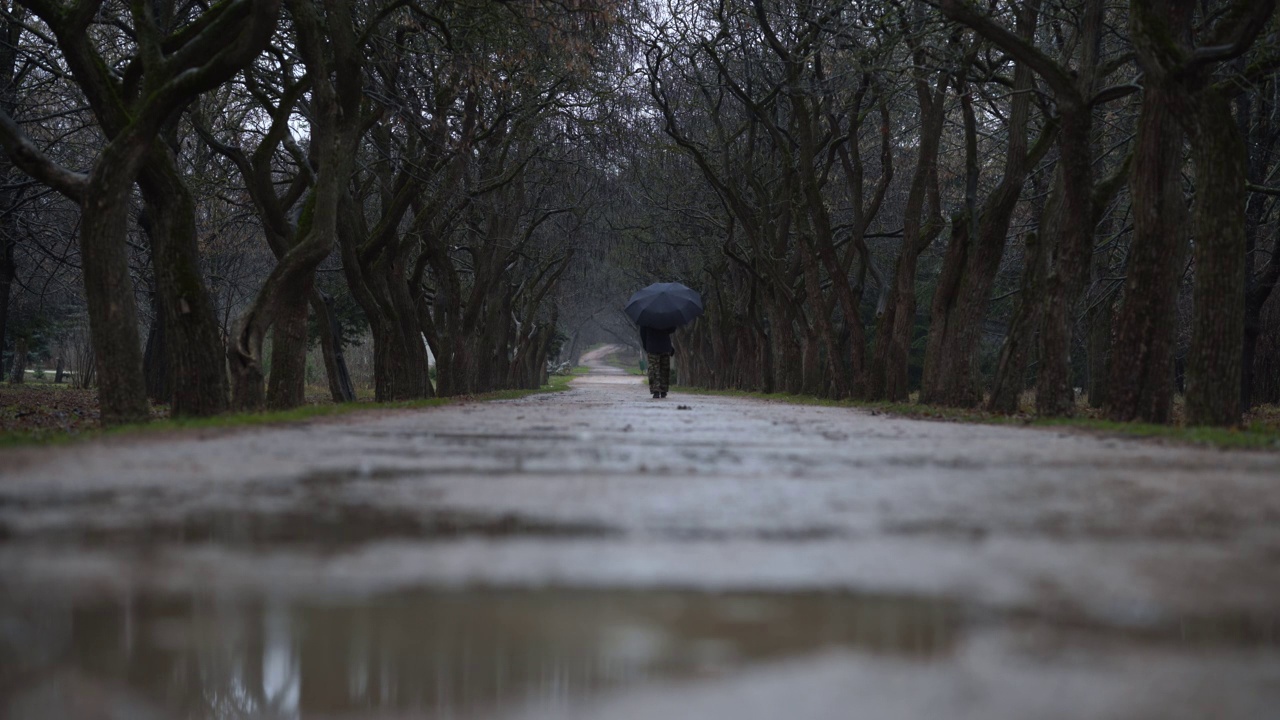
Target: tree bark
(823, 335)
(1266, 361)
(1099, 319)
(18, 376)
(193, 349)
(1255, 117)
(7, 274)
(1141, 376)
(1256, 297)
(1011, 367)
(341, 390)
(1217, 325)
(287, 376)
(1055, 394)
(155, 363)
(1162, 34)
(113, 313)
(11, 29)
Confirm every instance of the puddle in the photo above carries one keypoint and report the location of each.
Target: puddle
(339, 477)
(440, 653)
(324, 527)
(477, 653)
(798, 535)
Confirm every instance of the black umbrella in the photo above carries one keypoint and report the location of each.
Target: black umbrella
(664, 305)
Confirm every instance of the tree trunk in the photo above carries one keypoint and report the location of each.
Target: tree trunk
(1011, 368)
(811, 375)
(823, 330)
(1249, 357)
(944, 299)
(415, 378)
(7, 274)
(1217, 334)
(335, 361)
(86, 367)
(113, 314)
(11, 30)
(1255, 117)
(1141, 377)
(1055, 394)
(764, 353)
(155, 363)
(19, 374)
(193, 346)
(382, 340)
(1162, 33)
(1266, 362)
(287, 380)
(59, 370)
(788, 355)
(1256, 298)
(899, 328)
(1099, 320)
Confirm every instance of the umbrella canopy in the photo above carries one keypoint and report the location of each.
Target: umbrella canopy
(664, 305)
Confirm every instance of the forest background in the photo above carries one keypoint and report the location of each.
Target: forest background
(1051, 206)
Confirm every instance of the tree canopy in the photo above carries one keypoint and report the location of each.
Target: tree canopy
(1015, 205)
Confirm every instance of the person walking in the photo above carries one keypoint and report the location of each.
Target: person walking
(657, 345)
(658, 310)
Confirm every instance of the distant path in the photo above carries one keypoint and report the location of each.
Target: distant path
(604, 373)
(1080, 562)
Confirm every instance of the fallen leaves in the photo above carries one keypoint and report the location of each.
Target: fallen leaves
(45, 408)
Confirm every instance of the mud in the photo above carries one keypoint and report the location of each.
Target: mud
(598, 553)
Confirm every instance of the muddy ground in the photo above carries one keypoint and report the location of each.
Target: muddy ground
(599, 554)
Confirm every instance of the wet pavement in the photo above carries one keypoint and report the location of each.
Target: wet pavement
(600, 554)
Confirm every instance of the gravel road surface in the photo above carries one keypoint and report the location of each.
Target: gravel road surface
(600, 554)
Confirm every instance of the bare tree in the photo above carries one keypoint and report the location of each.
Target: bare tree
(161, 72)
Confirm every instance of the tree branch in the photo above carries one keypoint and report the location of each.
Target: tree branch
(1237, 37)
(1057, 77)
(33, 161)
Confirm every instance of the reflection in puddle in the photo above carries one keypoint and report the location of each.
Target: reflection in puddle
(445, 654)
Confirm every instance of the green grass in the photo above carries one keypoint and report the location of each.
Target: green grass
(1257, 434)
(56, 436)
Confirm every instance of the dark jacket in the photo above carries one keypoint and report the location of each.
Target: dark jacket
(656, 341)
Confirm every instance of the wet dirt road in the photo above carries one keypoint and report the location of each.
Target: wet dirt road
(599, 554)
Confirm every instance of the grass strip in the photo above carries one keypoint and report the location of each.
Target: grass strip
(59, 436)
(1256, 435)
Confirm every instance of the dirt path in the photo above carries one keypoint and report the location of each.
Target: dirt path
(623, 557)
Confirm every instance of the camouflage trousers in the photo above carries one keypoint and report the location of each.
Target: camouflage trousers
(659, 373)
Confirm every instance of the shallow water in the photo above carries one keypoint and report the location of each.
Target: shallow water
(446, 654)
(477, 653)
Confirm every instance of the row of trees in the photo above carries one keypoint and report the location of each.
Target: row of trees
(876, 196)
(433, 156)
(867, 168)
